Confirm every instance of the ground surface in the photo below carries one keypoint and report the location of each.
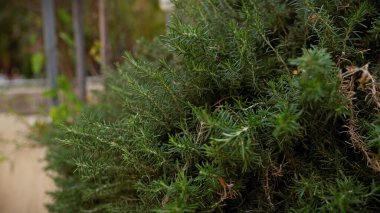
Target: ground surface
(23, 181)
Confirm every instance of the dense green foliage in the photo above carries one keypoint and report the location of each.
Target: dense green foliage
(240, 107)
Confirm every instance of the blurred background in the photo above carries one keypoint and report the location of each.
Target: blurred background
(107, 28)
(21, 34)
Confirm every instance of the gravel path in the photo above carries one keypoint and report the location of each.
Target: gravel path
(23, 181)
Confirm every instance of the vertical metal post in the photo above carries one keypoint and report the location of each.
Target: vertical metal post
(50, 44)
(103, 33)
(166, 6)
(79, 47)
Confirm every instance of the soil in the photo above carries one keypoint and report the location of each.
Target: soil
(23, 181)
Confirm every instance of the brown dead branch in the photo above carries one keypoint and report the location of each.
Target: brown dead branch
(367, 83)
(267, 188)
(228, 191)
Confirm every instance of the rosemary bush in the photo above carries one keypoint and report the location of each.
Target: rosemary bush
(242, 106)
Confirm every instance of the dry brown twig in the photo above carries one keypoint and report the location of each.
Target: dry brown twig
(366, 83)
(228, 191)
(267, 188)
(201, 130)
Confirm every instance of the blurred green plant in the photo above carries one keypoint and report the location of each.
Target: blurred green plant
(20, 25)
(69, 105)
(95, 51)
(37, 61)
(2, 158)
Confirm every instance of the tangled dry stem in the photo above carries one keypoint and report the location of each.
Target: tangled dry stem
(267, 188)
(228, 191)
(348, 89)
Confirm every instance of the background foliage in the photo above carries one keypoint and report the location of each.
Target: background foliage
(242, 106)
(21, 45)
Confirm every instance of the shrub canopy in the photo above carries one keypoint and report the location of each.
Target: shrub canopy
(242, 105)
